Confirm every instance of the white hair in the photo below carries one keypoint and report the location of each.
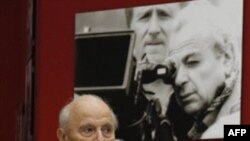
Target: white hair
(64, 116)
(205, 19)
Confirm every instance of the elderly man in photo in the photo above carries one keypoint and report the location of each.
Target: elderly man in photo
(87, 118)
(152, 25)
(206, 54)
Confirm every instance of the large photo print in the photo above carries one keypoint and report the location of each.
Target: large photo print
(169, 71)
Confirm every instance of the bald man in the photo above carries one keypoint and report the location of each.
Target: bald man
(87, 118)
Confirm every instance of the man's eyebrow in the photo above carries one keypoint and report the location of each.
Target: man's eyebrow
(165, 10)
(144, 11)
(85, 124)
(108, 125)
(191, 54)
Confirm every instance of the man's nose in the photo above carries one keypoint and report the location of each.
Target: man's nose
(154, 26)
(99, 136)
(181, 77)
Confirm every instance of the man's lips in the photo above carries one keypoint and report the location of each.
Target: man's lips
(154, 43)
(154, 48)
(186, 97)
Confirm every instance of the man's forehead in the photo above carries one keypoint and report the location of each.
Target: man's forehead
(189, 46)
(164, 7)
(90, 111)
(104, 120)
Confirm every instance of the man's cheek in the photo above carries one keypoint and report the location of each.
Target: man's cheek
(138, 53)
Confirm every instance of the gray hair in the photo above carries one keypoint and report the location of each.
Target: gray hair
(65, 112)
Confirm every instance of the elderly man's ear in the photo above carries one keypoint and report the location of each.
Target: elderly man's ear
(228, 59)
(61, 134)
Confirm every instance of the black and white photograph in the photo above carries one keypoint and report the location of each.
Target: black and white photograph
(168, 71)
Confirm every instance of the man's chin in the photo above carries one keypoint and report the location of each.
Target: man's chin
(155, 58)
(191, 109)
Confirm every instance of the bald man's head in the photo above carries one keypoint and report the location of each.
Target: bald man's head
(85, 116)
